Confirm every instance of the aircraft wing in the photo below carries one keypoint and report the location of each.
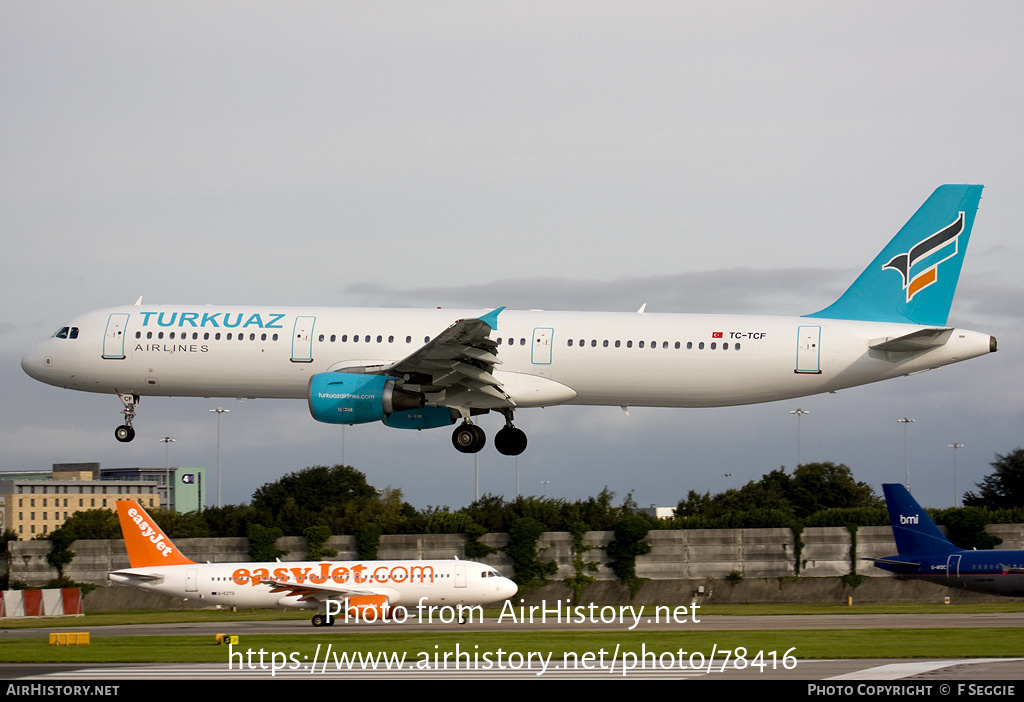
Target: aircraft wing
(454, 369)
(311, 591)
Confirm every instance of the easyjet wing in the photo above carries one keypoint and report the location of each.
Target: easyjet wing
(312, 591)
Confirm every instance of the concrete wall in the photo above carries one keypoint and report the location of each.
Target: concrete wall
(680, 562)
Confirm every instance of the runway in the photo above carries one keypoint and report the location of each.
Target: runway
(705, 623)
(612, 667)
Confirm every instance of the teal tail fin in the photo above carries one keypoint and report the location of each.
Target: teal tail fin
(914, 278)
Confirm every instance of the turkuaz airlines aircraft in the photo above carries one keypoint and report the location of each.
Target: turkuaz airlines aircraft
(420, 369)
(371, 590)
(926, 554)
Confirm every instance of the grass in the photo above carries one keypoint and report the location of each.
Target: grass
(31, 644)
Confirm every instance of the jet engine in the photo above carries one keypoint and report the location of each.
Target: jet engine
(354, 398)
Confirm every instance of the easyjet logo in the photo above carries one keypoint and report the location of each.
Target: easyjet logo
(322, 572)
(150, 533)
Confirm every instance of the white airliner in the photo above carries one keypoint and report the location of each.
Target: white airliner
(425, 368)
(362, 590)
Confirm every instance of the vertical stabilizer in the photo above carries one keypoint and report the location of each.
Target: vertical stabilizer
(913, 529)
(914, 278)
(147, 545)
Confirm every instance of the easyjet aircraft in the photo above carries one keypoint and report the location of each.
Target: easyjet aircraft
(426, 368)
(370, 589)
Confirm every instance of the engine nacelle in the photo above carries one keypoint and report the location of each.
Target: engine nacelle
(355, 398)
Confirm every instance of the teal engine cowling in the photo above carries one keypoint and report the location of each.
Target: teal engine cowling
(356, 398)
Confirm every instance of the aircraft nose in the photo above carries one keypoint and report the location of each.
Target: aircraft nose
(508, 589)
(30, 362)
(36, 362)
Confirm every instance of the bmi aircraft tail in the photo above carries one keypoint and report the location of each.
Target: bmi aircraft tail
(914, 278)
(913, 529)
(146, 543)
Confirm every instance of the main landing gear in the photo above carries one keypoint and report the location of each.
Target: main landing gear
(470, 438)
(126, 432)
(322, 620)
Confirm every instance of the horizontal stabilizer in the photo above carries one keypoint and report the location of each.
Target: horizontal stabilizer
(920, 340)
(893, 561)
(141, 577)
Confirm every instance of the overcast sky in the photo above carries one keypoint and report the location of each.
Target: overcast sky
(742, 157)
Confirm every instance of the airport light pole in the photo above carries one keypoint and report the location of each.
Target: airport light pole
(727, 476)
(219, 411)
(799, 448)
(906, 422)
(956, 490)
(167, 468)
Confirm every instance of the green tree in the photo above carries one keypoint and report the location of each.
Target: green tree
(263, 543)
(522, 549)
(1003, 489)
(91, 524)
(368, 541)
(318, 495)
(316, 537)
(625, 546)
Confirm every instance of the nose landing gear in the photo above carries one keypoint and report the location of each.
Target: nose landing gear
(126, 432)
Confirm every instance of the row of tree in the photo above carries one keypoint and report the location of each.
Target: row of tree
(339, 499)
(320, 501)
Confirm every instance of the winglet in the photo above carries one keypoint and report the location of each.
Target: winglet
(147, 545)
(491, 318)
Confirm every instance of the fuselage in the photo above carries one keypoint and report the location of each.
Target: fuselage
(546, 358)
(995, 572)
(404, 583)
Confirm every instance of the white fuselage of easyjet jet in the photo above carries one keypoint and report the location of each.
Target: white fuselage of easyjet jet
(435, 583)
(546, 358)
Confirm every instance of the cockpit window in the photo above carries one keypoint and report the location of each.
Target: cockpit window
(66, 333)
(73, 334)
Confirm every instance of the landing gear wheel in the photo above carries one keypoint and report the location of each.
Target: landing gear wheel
(322, 620)
(124, 433)
(469, 438)
(510, 441)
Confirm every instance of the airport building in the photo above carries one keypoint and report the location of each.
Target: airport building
(34, 503)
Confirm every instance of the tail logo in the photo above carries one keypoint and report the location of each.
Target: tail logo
(919, 266)
(909, 520)
(149, 533)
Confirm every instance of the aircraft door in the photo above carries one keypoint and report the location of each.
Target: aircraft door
(191, 577)
(542, 345)
(953, 567)
(113, 338)
(302, 340)
(808, 350)
(460, 575)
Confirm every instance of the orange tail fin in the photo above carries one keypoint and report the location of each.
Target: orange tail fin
(147, 545)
